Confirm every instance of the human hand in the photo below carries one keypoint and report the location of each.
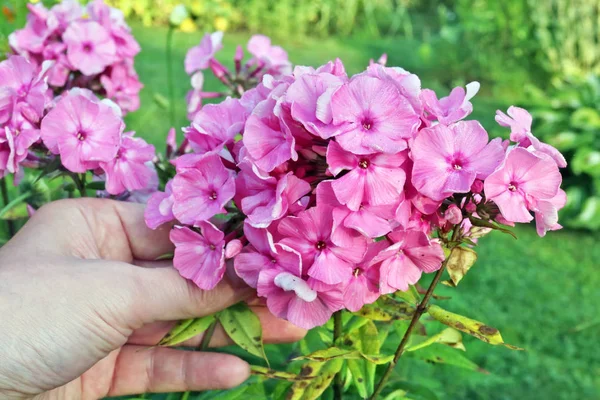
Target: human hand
(81, 301)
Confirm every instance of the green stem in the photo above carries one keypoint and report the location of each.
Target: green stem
(10, 224)
(79, 181)
(338, 385)
(421, 308)
(13, 203)
(208, 336)
(170, 83)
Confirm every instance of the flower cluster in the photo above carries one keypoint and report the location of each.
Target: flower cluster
(327, 191)
(86, 133)
(90, 47)
(266, 59)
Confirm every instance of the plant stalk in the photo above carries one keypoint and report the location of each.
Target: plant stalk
(170, 83)
(338, 384)
(10, 224)
(79, 181)
(421, 308)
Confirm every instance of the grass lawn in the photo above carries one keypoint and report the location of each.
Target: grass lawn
(536, 291)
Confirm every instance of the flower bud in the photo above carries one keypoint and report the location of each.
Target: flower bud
(471, 208)
(477, 186)
(178, 15)
(453, 214)
(233, 248)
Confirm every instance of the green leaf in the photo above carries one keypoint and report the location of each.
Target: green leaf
(440, 354)
(243, 327)
(186, 329)
(448, 336)
(398, 394)
(460, 261)
(411, 296)
(15, 202)
(323, 373)
(470, 326)
(365, 339)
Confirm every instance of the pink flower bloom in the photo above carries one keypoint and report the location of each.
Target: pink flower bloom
(403, 262)
(20, 135)
(274, 57)
(128, 170)
(521, 182)
(363, 287)
(372, 179)
(448, 159)
(409, 85)
(262, 254)
(23, 82)
(267, 139)
(375, 116)
(216, 125)
(546, 213)
(40, 25)
(371, 221)
(203, 190)
(90, 48)
(264, 198)
(455, 107)
(160, 208)
(329, 250)
(519, 120)
(122, 85)
(310, 97)
(198, 57)
(84, 132)
(453, 214)
(199, 257)
(66, 12)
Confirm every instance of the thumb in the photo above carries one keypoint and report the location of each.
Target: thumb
(161, 294)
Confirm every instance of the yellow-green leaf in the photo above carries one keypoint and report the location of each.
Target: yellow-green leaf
(387, 309)
(330, 354)
(449, 336)
(460, 261)
(186, 329)
(440, 354)
(411, 296)
(470, 326)
(312, 389)
(243, 327)
(397, 395)
(281, 375)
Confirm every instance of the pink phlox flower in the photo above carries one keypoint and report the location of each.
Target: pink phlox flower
(408, 84)
(199, 257)
(264, 198)
(20, 136)
(23, 82)
(274, 58)
(310, 98)
(216, 125)
(546, 213)
(329, 249)
(41, 24)
(128, 169)
(160, 207)
(376, 117)
(447, 159)
(402, 263)
(90, 47)
(203, 190)
(452, 108)
(519, 120)
(83, 131)
(66, 12)
(521, 182)
(371, 221)
(363, 286)
(263, 253)
(199, 57)
(267, 140)
(122, 85)
(375, 179)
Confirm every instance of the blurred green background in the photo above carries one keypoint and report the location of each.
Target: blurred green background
(543, 294)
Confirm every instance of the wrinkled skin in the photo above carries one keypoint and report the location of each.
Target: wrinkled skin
(82, 302)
